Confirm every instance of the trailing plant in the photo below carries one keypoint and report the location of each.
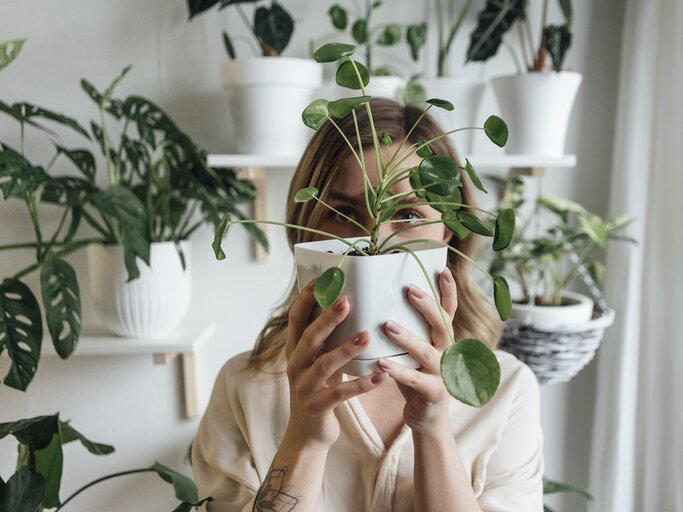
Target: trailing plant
(445, 43)
(545, 261)
(35, 485)
(369, 36)
(499, 16)
(470, 370)
(272, 26)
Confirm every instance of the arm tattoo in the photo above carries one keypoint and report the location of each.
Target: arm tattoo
(271, 496)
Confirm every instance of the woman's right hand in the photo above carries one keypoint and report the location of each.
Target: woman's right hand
(315, 382)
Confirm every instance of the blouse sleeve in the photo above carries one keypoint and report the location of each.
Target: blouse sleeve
(514, 481)
(222, 462)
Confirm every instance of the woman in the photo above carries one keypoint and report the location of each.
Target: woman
(284, 430)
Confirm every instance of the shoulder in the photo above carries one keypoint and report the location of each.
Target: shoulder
(514, 372)
(518, 389)
(239, 382)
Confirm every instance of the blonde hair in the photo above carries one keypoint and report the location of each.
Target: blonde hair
(475, 317)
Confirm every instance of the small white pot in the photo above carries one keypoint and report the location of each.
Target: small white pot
(536, 108)
(376, 289)
(466, 95)
(578, 311)
(267, 96)
(152, 305)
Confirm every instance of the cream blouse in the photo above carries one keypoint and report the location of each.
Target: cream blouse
(500, 445)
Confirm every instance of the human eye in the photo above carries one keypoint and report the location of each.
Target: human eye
(409, 215)
(343, 214)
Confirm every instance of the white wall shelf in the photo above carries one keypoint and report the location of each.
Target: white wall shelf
(184, 342)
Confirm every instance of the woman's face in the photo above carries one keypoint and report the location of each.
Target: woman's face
(346, 195)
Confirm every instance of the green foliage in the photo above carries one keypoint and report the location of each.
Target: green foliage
(9, 51)
(470, 372)
(329, 287)
(553, 487)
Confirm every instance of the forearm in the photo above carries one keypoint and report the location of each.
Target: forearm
(441, 482)
(294, 480)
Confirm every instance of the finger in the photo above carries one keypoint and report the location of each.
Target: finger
(449, 292)
(299, 314)
(423, 352)
(427, 385)
(438, 319)
(331, 397)
(329, 363)
(313, 337)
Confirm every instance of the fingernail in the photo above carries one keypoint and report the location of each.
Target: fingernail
(384, 364)
(447, 275)
(377, 378)
(339, 305)
(311, 285)
(361, 339)
(414, 290)
(393, 327)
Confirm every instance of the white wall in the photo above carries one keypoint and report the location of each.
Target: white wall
(129, 402)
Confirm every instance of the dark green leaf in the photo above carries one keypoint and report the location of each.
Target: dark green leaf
(505, 228)
(439, 174)
(473, 223)
(414, 93)
(454, 200)
(450, 219)
(24, 491)
(315, 114)
(386, 139)
(390, 35)
(227, 44)
(416, 36)
(49, 463)
(185, 489)
(187, 507)
(415, 183)
(566, 7)
(62, 302)
(197, 6)
(82, 159)
(329, 287)
(332, 52)
(9, 51)
(342, 107)
(423, 149)
(471, 372)
(501, 295)
(28, 112)
(18, 176)
(338, 16)
(67, 191)
(493, 22)
(274, 27)
(305, 194)
(70, 434)
(557, 39)
(496, 130)
(347, 77)
(21, 331)
(35, 433)
(359, 31)
(218, 237)
(473, 176)
(446, 105)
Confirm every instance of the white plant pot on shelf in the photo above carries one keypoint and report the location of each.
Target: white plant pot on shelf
(577, 310)
(536, 108)
(465, 94)
(376, 288)
(266, 98)
(153, 305)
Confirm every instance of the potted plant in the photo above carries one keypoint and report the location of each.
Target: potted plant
(36, 482)
(267, 92)
(387, 82)
(159, 178)
(470, 370)
(537, 104)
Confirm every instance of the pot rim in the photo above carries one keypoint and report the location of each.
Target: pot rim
(311, 247)
(582, 301)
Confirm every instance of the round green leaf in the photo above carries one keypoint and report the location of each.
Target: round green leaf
(454, 198)
(315, 114)
(332, 52)
(473, 223)
(505, 228)
(343, 107)
(423, 149)
(446, 105)
(390, 36)
(346, 75)
(496, 130)
(439, 174)
(415, 183)
(338, 16)
(471, 372)
(329, 287)
(359, 31)
(501, 295)
(451, 221)
(473, 176)
(305, 194)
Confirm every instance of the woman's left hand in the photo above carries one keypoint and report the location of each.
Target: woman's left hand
(426, 396)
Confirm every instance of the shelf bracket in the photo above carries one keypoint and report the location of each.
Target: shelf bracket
(526, 171)
(256, 175)
(189, 375)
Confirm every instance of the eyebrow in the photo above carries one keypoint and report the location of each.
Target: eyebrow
(358, 199)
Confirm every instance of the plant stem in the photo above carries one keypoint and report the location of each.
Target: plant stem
(72, 247)
(108, 477)
(512, 53)
(366, 179)
(356, 223)
(250, 27)
(348, 143)
(445, 49)
(56, 233)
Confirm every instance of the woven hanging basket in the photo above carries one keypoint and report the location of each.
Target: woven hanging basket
(556, 355)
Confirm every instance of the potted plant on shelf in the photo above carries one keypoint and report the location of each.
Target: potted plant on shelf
(536, 104)
(36, 482)
(387, 82)
(267, 92)
(554, 330)
(470, 370)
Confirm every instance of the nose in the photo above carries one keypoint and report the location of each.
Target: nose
(387, 229)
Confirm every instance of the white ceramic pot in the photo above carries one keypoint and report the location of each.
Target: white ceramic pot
(267, 96)
(466, 95)
(376, 289)
(579, 310)
(152, 305)
(536, 108)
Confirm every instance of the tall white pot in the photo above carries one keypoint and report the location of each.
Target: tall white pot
(152, 305)
(376, 288)
(536, 108)
(266, 97)
(466, 95)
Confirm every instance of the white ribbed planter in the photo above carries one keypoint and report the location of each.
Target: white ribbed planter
(152, 305)
(466, 95)
(376, 289)
(536, 108)
(578, 311)
(266, 97)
